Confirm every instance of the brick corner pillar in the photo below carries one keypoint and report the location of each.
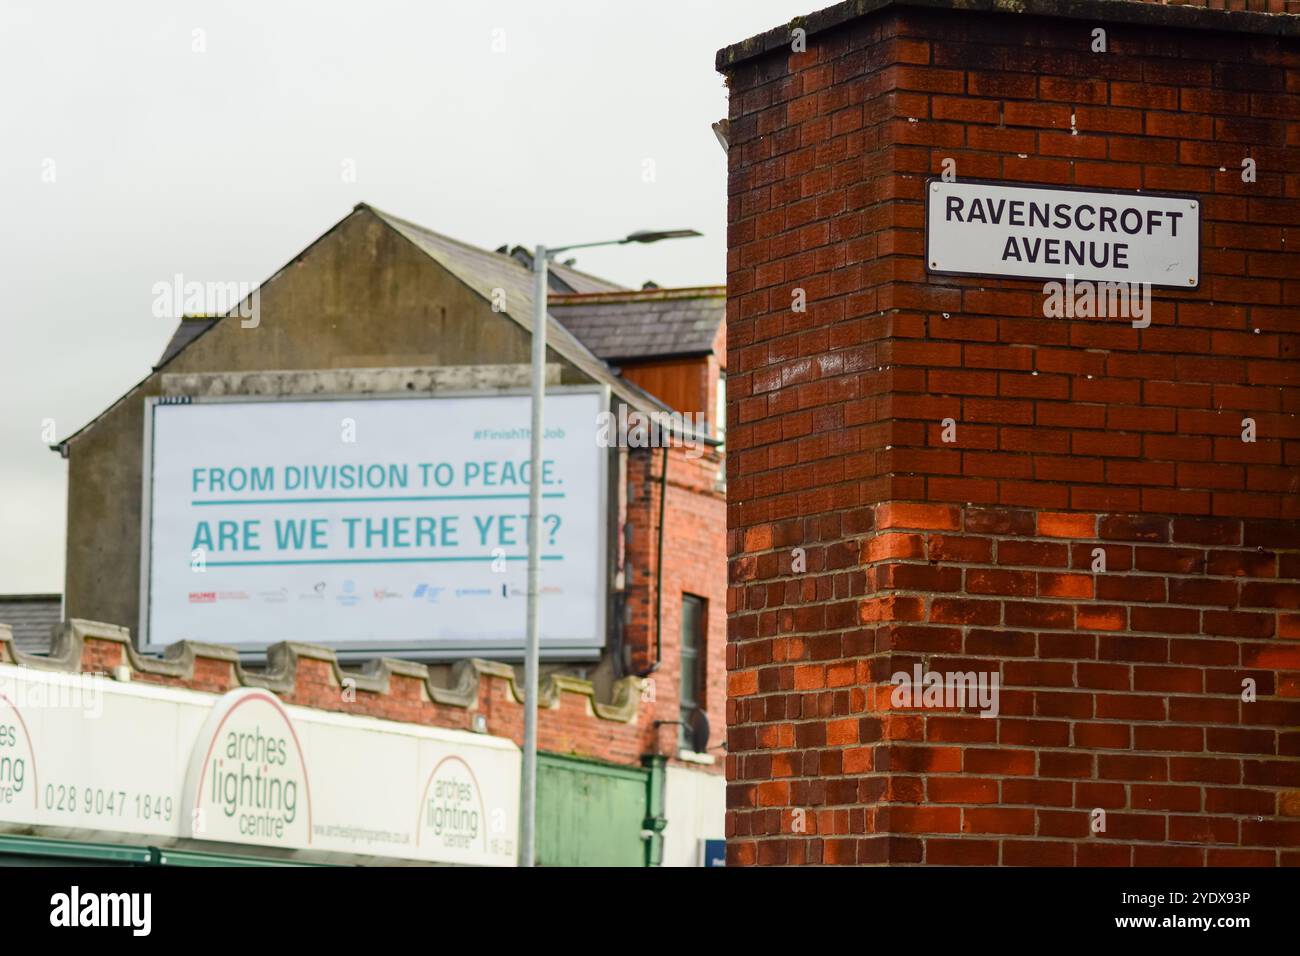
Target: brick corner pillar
(1094, 520)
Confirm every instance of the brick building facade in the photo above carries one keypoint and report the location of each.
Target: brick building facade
(379, 306)
(1160, 696)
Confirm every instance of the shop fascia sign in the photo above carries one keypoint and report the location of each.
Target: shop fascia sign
(86, 757)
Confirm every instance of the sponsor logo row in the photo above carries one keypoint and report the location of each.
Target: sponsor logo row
(349, 595)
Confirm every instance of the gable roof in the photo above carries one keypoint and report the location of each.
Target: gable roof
(496, 265)
(646, 324)
(483, 272)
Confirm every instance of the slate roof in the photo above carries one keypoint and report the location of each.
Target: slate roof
(651, 323)
(31, 616)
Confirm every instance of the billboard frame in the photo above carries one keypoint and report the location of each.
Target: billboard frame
(351, 652)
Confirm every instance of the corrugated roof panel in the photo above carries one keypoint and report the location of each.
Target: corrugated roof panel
(32, 617)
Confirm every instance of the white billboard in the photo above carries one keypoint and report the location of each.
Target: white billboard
(1042, 232)
(372, 525)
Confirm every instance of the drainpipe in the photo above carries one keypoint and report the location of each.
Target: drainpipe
(655, 822)
(659, 572)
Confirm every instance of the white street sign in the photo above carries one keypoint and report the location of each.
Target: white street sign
(1039, 232)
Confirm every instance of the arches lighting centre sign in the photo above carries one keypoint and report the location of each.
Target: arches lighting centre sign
(1022, 231)
(89, 758)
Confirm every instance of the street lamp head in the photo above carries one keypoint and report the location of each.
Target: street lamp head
(646, 235)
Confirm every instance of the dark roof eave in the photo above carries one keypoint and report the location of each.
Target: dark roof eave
(1113, 11)
(636, 296)
(621, 360)
(62, 447)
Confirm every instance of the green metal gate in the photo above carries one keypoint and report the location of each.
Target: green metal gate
(594, 814)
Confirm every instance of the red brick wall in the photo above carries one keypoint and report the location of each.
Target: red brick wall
(1122, 690)
(694, 558)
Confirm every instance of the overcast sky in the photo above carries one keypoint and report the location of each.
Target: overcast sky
(211, 139)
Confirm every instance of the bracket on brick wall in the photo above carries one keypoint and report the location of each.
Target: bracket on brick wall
(280, 675)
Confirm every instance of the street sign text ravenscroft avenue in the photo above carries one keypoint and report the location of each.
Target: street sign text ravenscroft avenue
(1040, 232)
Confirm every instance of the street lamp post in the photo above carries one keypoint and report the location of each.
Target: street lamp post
(541, 259)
